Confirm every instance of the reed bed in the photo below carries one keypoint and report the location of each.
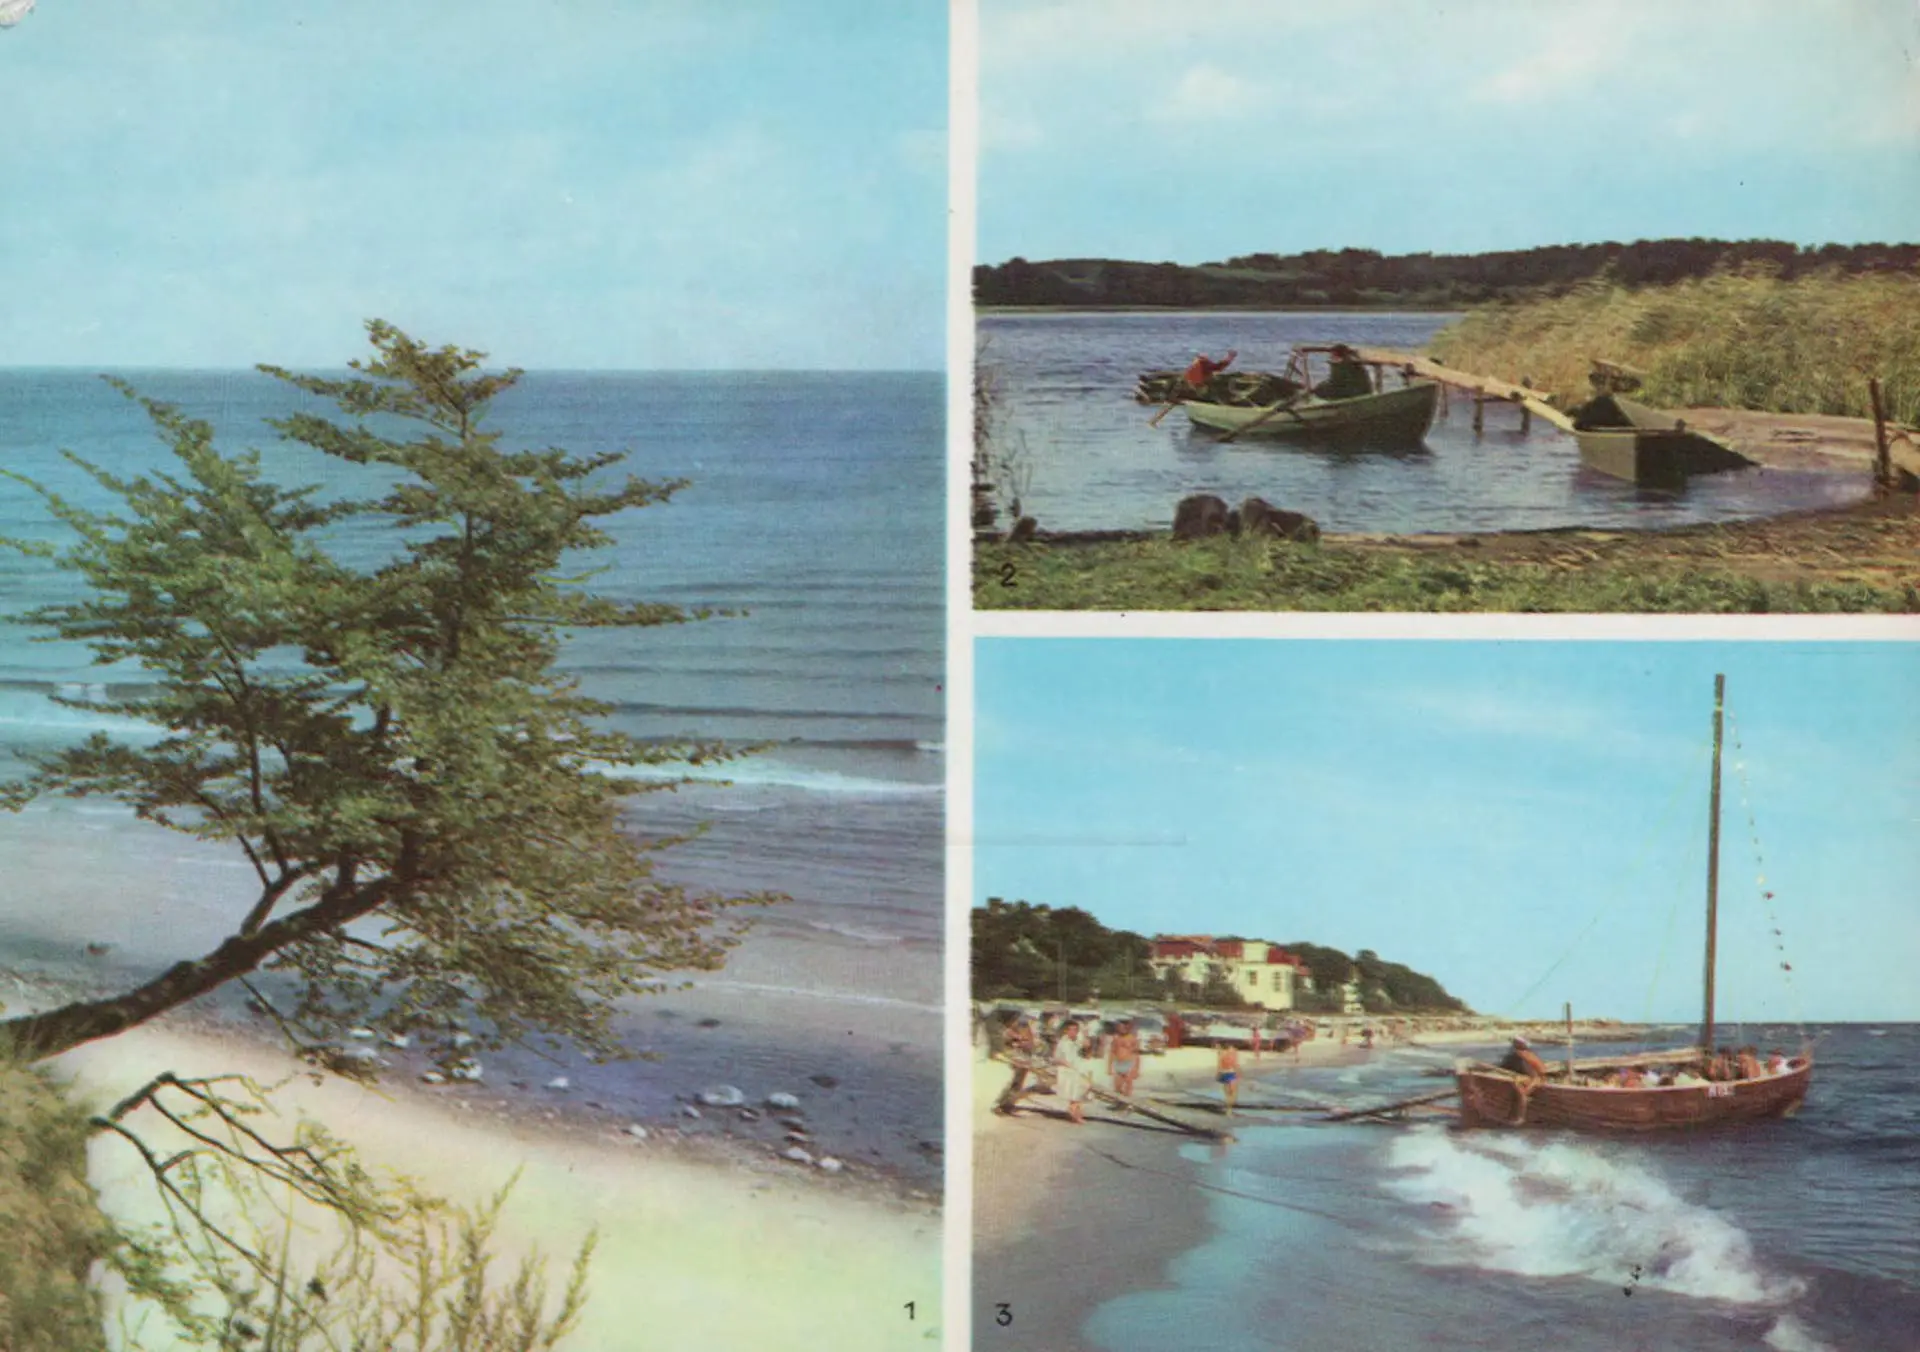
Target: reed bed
(1732, 340)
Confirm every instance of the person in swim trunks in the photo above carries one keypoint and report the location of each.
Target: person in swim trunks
(1123, 1059)
(1227, 1064)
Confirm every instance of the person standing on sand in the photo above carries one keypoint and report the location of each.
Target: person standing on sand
(1071, 1079)
(1123, 1059)
(1017, 1046)
(1227, 1064)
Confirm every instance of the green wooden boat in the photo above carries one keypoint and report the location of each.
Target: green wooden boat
(1626, 440)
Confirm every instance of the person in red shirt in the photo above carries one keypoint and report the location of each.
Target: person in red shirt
(1205, 368)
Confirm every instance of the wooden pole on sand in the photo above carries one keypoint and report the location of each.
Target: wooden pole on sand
(1882, 449)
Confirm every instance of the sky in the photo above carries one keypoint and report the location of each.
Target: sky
(1160, 131)
(1525, 821)
(620, 184)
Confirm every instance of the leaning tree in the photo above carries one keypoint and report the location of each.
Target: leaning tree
(429, 806)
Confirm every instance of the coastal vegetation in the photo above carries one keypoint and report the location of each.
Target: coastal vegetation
(430, 813)
(1367, 279)
(389, 742)
(52, 1230)
(1024, 951)
(1761, 338)
(1867, 562)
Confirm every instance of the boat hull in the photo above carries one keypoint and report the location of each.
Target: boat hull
(1492, 1098)
(1400, 416)
(1625, 440)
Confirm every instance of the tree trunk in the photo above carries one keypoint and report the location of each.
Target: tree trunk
(34, 1037)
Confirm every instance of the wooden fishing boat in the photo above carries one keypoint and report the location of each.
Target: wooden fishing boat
(1625, 440)
(1400, 416)
(1288, 404)
(1491, 1096)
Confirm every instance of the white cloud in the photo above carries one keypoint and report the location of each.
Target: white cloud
(13, 11)
(1206, 93)
(1574, 53)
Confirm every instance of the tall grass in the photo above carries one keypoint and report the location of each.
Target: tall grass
(1732, 340)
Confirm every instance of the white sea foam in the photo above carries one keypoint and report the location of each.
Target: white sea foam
(1790, 1335)
(774, 774)
(1566, 1208)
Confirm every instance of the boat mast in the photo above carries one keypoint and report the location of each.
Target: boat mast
(1713, 861)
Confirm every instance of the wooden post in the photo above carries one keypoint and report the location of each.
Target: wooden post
(1446, 398)
(1526, 417)
(1479, 409)
(1882, 451)
(1379, 378)
(1569, 1014)
(1713, 864)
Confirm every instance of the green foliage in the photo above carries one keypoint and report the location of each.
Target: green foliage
(392, 741)
(291, 1245)
(1365, 278)
(1023, 951)
(1392, 987)
(1753, 339)
(1331, 968)
(1026, 952)
(1247, 573)
(51, 1229)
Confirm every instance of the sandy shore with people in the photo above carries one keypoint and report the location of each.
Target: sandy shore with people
(1103, 1210)
(701, 1242)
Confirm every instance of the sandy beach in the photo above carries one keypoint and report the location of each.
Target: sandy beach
(1066, 1219)
(1094, 1211)
(701, 1244)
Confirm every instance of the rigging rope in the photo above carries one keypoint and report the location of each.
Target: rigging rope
(1760, 878)
(1638, 863)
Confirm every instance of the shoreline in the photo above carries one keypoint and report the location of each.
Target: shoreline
(671, 1218)
(1862, 555)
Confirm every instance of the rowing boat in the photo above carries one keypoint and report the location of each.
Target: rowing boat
(1399, 416)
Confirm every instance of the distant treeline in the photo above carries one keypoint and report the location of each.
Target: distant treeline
(1026, 952)
(1365, 278)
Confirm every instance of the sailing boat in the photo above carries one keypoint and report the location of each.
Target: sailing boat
(1494, 1097)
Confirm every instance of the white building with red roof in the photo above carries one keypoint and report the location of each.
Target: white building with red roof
(1260, 972)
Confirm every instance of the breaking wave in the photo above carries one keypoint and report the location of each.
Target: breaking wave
(1564, 1208)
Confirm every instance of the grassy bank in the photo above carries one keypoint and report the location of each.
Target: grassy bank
(51, 1230)
(1748, 340)
(1861, 562)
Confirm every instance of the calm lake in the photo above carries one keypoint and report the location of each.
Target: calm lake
(1064, 385)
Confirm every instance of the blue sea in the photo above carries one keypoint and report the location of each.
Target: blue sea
(1064, 388)
(1798, 1235)
(814, 508)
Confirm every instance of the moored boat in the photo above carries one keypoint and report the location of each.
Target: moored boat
(1682, 1097)
(1625, 440)
(1346, 404)
(1400, 416)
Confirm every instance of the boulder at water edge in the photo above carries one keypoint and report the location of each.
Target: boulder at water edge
(1200, 516)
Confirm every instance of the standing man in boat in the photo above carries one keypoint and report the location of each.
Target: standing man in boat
(1205, 368)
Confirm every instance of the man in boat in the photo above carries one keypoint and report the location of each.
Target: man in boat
(1520, 1060)
(1348, 379)
(1205, 368)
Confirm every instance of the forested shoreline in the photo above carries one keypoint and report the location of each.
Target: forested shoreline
(1366, 278)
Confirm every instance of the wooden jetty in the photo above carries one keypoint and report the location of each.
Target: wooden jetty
(1482, 389)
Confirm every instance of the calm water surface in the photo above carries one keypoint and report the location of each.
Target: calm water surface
(1067, 413)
